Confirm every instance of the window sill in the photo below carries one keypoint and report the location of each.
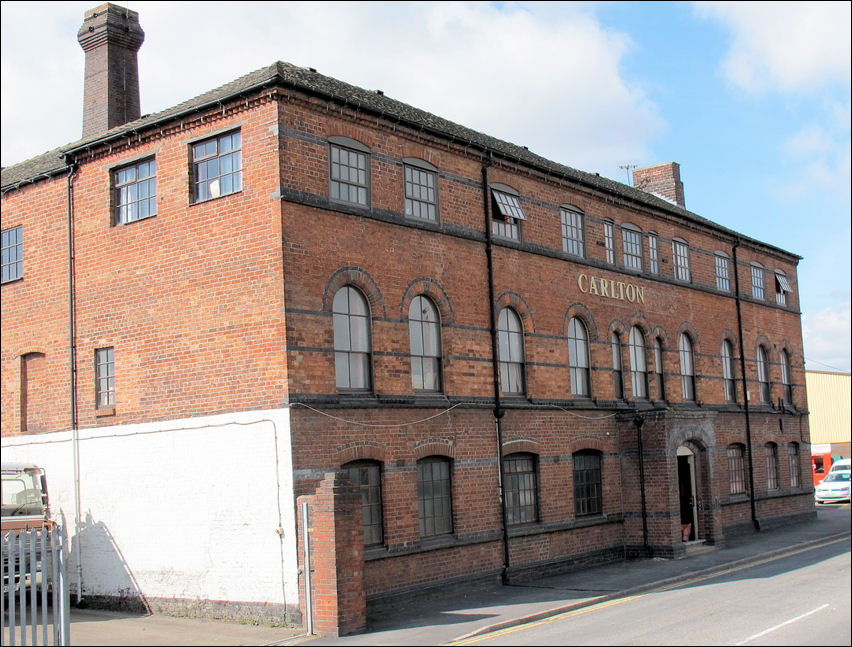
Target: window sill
(192, 203)
(104, 412)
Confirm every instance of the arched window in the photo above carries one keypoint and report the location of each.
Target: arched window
(351, 318)
(736, 468)
(578, 357)
(728, 371)
(510, 336)
(617, 378)
(638, 367)
(793, 461)
(771, 466)
(424, 332)
(687, 368)
(631, 241)
(786, 380)
(588, 492)
(763, 375)
(723, 279)
(434, 496)
(658, 368)
(680, 254)
(521, 488)
(572, 231)
(757, 280)
(367, 477)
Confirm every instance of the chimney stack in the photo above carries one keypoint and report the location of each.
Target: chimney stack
(663, 180)
(110, 36)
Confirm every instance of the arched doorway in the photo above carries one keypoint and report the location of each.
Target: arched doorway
(686, 468)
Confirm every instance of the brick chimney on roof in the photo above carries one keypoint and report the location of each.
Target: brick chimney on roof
(110, 36)
(663, 180)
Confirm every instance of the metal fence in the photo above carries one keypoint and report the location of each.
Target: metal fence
(35, 589)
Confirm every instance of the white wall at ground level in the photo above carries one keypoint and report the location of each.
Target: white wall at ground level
(184, 508)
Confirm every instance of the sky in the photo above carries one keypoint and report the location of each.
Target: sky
(751, 99)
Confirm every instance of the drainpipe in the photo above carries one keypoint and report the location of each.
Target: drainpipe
(72, 336)
(498, 409)
(639, 421)
(745, 389)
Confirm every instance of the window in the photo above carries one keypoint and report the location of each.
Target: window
(723, 274)
(104, 378)
(786, 372)
(572, 231)
(793, 461)
(367, 477)
(521, 488)
(421, 190)
(771, 466)
(424, 332)
(763, 375)
(638, 368)
(687, 368)
(782, 288)
(434, 496)
(350, 173)
(658, 368)
(609, 242)
(13, 254)
(736, 469)
(728, 371)
(217, 167)
(653, 254)
(757, 280)
(618, 381)
(588, 493)
(511, 350)
(351, 318)
(631, 240)
(578, 357)
(506, 214)
(680, 251)
(135, 192)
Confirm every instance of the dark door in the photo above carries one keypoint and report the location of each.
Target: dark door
(684, 483)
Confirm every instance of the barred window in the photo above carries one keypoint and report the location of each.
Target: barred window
(723, 274)
(104, 378)
(351, 320)
(658, 368)
(572, 231)
(617, 377)
(135, 190)
(736, 469)
(653, 254)
(631, 239)
(13, 254)
(680, 251)
(434, 496)
(638, 367)
(687, 368)
(588, 493)
(510, 337)
(349, 173)
(757, 280)
(763, 375)
(578, 357)
(367, 477)
(728, 371)
(421, 192)
(793, 461)
(609, 242)
(424, 333)
(217, 167)
(771, 466)
(521, 488)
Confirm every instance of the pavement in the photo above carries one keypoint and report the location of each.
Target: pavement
(465, 612)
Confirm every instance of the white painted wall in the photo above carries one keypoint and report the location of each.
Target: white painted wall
(177, 509)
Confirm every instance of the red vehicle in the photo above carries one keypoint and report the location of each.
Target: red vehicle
(821, 463)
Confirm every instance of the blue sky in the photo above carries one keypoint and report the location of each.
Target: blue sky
(751, 99)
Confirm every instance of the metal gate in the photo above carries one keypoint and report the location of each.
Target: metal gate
(35, 590)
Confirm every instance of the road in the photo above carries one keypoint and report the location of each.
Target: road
(802, 599)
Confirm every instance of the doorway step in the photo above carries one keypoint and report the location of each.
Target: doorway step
(697, 547)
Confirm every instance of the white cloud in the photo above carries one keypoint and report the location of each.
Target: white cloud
(471, 62)
(827, 336)
(785, 46)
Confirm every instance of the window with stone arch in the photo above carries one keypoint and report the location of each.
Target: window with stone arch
(736, 468)
(521, 488)
(510, 337)
(631, 242)
(786, 379)
(638, 365)
(352, 345)
(424, 332)
(728, 371)
(687, 368)
(617, 371)
(763, 375)
(366, 475)
(793, 462)
(588, 492)
(772, 479)
(658, 368)
(434, 496)
(578, 357)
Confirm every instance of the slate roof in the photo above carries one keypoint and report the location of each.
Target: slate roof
(308, 80)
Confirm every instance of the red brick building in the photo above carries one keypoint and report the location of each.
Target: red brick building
(444, 315)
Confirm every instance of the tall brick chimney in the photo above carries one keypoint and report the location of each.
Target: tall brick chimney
(663, 180)
(110, 36)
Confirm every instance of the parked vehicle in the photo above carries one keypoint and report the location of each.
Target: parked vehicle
(843, 465)
(24, 497)
(834, 488)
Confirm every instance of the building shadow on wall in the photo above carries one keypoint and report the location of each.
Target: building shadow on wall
(108, 583)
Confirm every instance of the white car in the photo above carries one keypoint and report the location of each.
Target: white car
(843, 465)
(834, 487)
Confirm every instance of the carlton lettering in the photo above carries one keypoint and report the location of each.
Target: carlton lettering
(611, 289)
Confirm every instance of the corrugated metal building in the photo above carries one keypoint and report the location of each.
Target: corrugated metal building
(829, 396)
